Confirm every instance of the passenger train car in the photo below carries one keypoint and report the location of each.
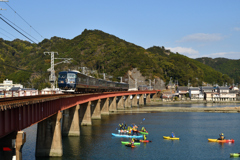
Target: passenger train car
(74, 81)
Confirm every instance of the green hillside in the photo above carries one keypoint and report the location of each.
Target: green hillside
(102, 52)
(229, 67)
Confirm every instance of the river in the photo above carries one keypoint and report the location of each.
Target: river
(193, 128)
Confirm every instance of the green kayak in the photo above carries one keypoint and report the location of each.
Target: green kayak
(143, 132)
(126, 142)
(234, 154)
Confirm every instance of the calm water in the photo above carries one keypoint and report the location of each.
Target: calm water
(193, 129)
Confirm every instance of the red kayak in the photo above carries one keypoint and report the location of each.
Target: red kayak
(130, 145)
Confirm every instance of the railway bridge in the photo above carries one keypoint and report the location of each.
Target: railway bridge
(47, 111)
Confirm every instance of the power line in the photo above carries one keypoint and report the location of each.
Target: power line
(17, 27)
(16, 67)
(17, 30)
(24, 20)
(21, 69)
(5, 35)
(8, 33)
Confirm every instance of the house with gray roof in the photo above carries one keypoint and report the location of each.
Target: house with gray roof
(182, 91)
(225, 94)
(195, 94)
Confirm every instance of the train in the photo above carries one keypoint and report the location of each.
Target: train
(76, 82)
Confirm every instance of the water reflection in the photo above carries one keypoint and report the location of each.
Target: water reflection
(194, 129)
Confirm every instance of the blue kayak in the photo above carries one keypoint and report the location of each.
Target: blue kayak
(127, 136)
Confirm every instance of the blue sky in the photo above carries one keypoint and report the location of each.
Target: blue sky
(195, 28)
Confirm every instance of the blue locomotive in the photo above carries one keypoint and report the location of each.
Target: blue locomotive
(74, 81)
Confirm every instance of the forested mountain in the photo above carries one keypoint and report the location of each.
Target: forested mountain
(102, 52)
(226, 66)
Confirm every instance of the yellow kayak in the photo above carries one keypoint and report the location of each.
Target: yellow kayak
(168, 137)
(221, 141)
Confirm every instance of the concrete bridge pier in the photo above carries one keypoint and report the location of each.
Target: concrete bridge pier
(11, 146)
(120, 104)
(71, 125)
(141, 99)
(112, 104)
(148, 98)
(105, 106)
(127, 102)
(20, 140)
(96, 109)
(134, 101)
(85, 114)
(49, 137)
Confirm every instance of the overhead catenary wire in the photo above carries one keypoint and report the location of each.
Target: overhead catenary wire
(5, 20)
(22, 69)
(24, 20)
(8, 33)
(16, 29)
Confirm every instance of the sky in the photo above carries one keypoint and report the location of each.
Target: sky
(195, 28)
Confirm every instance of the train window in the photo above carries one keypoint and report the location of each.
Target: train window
(71, 75)
(63, 75)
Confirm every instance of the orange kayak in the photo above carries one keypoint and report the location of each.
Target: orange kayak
(221, 141)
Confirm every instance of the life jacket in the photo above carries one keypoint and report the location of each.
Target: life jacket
(130, 131)
(144, 137)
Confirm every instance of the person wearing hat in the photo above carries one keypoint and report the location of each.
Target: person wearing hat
(172, 135)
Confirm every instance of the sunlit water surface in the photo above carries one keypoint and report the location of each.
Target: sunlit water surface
(193, 128)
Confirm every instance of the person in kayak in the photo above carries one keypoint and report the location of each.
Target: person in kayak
(121, 126)
(221, 136)
(143, 129)
(135, 130)
(172, 135)
(144, 137)
(132, 142)
(136, 140)
(125, 126)
(129, 131)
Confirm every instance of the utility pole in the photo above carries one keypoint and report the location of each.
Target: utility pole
(136, 83)
(52, 77)
(104, 76)
(150, 84)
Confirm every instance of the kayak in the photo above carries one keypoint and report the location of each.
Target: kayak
(127, 136)
(140, 140)
(129, 145)
(170, 138)
(145, 141)
(126, 142)
(234, 154)
(123, 131)
(221, 141)
(143, 132)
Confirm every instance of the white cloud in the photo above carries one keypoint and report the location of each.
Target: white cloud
(185, 51)
(237, 29)
(201, 37)
(229, 55)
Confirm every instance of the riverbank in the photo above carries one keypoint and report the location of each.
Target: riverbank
(166, 107)
(157, 101)
(181, 109)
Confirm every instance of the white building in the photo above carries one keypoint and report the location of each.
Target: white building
(8, 84)
(195, 94)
